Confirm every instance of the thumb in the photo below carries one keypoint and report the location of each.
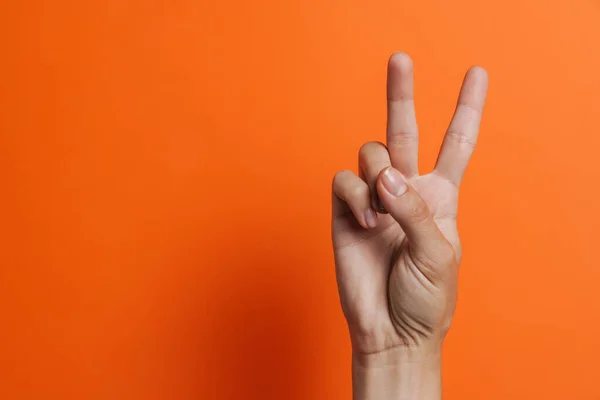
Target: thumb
(409, 209)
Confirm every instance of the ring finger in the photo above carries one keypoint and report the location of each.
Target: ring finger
(373, 157)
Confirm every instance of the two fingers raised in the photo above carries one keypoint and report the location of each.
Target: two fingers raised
(366, 195)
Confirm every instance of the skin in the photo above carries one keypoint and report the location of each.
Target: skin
(396, 244)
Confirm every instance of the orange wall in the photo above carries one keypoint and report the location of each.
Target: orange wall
(166, 168)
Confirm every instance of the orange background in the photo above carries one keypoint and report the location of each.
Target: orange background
(166, 169)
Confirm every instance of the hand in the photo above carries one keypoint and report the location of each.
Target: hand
(397, 272)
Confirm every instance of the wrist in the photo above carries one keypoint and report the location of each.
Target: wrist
(400, 373)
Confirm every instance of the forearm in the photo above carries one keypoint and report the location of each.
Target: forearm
(398, 374)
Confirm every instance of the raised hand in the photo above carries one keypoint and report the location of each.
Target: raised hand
(394, 231)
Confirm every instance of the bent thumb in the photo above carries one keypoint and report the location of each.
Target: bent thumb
(409, 209)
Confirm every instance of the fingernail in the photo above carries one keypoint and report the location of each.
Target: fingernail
(393, 182)
(371, 218)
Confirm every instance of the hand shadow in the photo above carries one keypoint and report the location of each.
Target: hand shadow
(249, 336)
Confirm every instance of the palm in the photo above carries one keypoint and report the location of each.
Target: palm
(387, 301)
(377, 259)
(440, 195)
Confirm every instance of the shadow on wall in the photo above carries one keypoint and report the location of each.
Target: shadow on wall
(247, 333)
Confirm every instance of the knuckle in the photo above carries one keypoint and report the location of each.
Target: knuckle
(369, 148)
(447, 255)
(460, 137)
(349, 187)
(339, 178)
(401, 138)
(357, 192)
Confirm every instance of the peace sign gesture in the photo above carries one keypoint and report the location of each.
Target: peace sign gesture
(394, 231)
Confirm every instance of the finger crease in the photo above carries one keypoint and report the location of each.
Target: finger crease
(460, 137)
